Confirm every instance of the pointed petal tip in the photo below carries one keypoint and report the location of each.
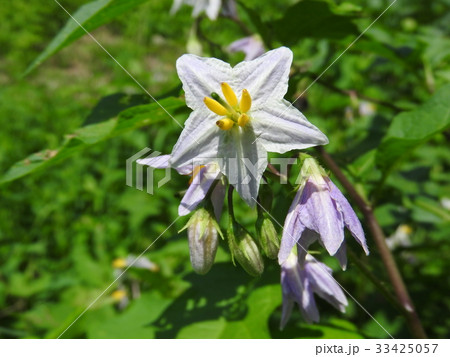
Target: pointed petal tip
(182, 210)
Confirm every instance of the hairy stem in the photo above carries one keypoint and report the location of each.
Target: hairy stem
(378, 236)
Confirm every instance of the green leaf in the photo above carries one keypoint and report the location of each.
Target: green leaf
(260, 26)
(90, 16)
(84, 137)
(411, 129)
(261, 303)
(313, 19)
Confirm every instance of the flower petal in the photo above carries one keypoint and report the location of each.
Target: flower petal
(201, 76)
(341, 256)
(318, 212)
(244, 161)
(281, 127)
(350, 218)
(308, 305)
(292, 230)
(251, 46)
(307, 238)
(198, 143)
(198, 189)
(286, 311)
(217, 198)
(266, 77)
(324, 285)
(213, 8)
(162, 162)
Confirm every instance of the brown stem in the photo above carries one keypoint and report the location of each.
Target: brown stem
(400, 289)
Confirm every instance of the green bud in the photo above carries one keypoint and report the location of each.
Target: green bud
(244, 249)
(310, 167)
(203, 232)
(267, 235)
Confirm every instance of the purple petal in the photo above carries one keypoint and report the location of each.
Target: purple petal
(308, 237)
(324, 285)
(341, 256)
(251, 46)
(292, 229)
(319, 212)
(217, 199)
(197, 191)
(308, 305)
(286, 311)
(350, 219)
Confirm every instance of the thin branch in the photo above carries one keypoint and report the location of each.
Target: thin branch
(378, 236)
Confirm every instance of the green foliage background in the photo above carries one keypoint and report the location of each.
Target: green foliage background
(62, 227)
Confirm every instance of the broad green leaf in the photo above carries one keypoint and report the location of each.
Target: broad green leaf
(313, 19)
(411, 129)
(336, 328)
(84, 137)
(90, 16)
(133, 322)
(261, 303)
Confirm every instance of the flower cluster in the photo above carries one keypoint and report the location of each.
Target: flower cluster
(239, 114)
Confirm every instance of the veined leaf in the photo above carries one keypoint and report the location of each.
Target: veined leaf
(127, 120)
(90, 16)
(411, 129)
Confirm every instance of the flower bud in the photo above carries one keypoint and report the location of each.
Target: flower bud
(203, 232)
(267, 236)
(245, 251)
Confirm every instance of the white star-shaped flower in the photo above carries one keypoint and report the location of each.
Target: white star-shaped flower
(237, 132)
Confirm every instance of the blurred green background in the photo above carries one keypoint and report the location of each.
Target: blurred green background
(63, 227)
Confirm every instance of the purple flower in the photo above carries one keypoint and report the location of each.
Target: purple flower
(319, 212)
(252, 46)
(203, 178)
(299, 286)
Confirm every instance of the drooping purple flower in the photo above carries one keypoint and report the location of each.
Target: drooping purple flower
(300, 284)
(203, 177)
(252, 46)
(319, 212)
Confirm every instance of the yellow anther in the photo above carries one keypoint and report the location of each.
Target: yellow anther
(229, 94)
(225, 123)
(246, 101)
(215, 106)
(118, 295)
(243, 120)
(404, 228)
(195, 172)
(119, 263)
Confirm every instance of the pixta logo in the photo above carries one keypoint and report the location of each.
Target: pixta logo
(136, 171)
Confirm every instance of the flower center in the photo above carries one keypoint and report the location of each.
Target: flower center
(232, 111)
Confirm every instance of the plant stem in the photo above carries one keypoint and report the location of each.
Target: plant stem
(379, 284)
(230, 202)
(398, 284)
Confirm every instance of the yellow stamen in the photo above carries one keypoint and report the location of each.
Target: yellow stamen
(195, 172)
(118, 295)
(225, 123)
(229, 94)
(243, 120)
(119, 263)
(215, 106)
(246, 101)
